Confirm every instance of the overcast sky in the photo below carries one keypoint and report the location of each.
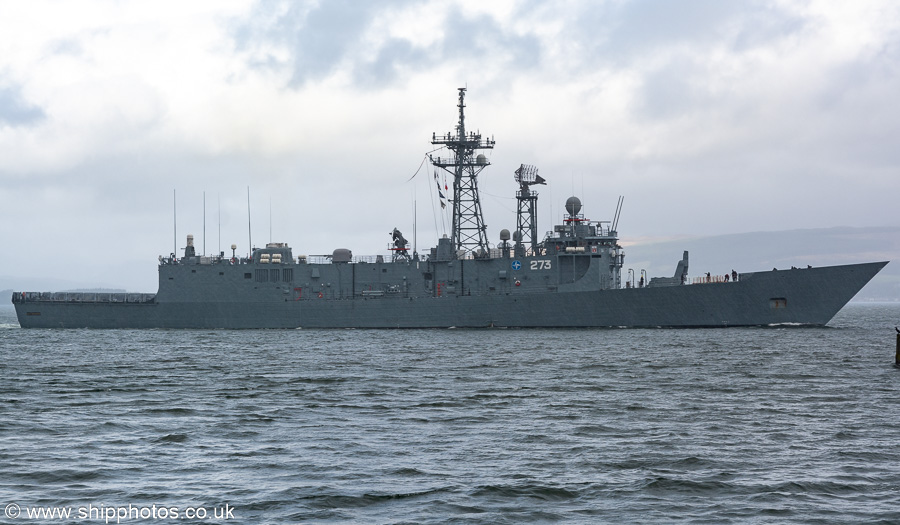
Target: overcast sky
(710, 117)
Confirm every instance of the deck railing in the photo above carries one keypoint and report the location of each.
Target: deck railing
(83, 297)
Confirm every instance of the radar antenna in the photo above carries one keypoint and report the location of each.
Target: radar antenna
(526, 214)
(400, 246)
(468, 231)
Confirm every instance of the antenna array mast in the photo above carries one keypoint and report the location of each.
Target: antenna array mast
(526, 214)
(468, 231)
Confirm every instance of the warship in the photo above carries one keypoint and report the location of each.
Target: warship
(572, 277)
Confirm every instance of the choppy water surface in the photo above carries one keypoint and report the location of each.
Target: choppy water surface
(489, 426)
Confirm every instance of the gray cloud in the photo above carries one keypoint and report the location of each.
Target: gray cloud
(646, 24)
(318, 39)
(619, 33)
(394, 55)
(471, 38)
(15, 110)
(668, 91)
(66, 46)
(322, 39)
(760, 26)
(468, 39)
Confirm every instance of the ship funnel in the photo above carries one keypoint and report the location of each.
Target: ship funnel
(190, 240)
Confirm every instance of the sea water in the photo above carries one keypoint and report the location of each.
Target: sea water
(776, 424)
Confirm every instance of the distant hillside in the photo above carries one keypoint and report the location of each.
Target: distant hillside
(747, 252)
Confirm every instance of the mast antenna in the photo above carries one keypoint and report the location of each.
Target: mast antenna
(219, 211)
(468, 231)
(615, 223)
(174, 224)
(249, 229)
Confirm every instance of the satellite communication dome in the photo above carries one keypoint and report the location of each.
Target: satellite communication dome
(573, 205)
(481, 159)
(504, 234)
(517, 236)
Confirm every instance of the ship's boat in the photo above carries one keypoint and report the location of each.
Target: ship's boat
(570, 278)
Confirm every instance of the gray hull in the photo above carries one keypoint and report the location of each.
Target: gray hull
(802, 296)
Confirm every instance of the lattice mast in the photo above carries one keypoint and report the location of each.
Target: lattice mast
(468, 231)
(526, 214)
